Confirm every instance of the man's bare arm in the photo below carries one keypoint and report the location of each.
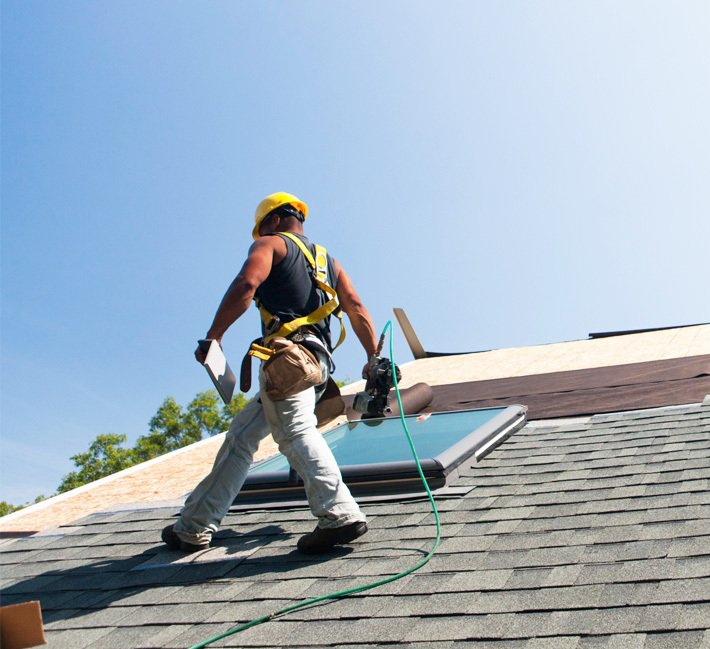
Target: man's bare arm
(357, 313)
(241, 291)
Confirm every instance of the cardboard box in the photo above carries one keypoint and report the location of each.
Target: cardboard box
(21, 626)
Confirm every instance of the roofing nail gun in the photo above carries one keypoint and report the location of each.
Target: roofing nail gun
(374, 401)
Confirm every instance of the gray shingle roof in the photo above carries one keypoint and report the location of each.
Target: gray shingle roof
(584, 534)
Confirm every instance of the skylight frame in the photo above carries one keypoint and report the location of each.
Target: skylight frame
(395, 476)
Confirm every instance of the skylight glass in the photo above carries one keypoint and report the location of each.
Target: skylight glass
(374, 455)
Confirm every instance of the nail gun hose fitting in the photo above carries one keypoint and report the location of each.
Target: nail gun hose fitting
(358, 589)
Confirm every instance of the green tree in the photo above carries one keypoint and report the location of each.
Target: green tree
(105, 456)
(171, 427)
(204, 416)
(165, 432)
(7, 508)
(229, 410)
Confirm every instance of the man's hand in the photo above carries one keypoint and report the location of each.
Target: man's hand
(201, 354)
(369, 365)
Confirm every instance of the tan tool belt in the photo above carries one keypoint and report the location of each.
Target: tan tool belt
(329, 406)
(289, 368)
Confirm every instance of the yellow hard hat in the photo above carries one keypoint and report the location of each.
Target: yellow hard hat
(271, 202)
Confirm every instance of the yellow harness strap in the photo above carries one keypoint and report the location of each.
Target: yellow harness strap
(320, 278)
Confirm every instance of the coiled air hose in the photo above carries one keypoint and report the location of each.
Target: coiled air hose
(358, 589)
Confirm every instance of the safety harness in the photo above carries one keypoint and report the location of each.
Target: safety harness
(275, 329)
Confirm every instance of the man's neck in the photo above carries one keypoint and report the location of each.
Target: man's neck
(296, 229)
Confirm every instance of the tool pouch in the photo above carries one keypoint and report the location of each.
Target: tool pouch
(290, 369)
(330, 405)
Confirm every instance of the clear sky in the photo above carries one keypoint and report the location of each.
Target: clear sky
(511, 173)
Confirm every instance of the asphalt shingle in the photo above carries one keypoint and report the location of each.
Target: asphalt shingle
(576, 535)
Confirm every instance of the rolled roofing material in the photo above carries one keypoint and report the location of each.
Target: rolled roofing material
(414, 400)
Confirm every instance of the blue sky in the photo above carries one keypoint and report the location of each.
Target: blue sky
(510, 173)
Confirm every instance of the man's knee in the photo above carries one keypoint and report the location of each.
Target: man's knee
(249, 426)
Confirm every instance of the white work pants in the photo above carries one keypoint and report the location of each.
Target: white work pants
(292, 423)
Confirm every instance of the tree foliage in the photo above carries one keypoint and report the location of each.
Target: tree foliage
(171, 427)
(105, 456)
(7, 508)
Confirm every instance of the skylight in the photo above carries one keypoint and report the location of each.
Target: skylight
(374, 455)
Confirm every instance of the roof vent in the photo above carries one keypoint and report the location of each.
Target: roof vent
(412, 339)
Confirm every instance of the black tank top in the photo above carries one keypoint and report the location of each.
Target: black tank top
(289, 292)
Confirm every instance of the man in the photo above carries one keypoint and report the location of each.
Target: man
(277, 274)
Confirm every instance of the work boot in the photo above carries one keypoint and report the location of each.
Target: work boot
(174, 542)
(322, 540)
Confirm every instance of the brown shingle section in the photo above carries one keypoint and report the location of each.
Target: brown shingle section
(169, 477)
(583, 392)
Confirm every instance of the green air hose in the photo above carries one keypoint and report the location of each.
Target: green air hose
(358, 589)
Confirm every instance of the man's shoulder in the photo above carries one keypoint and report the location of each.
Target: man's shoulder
(269, 241)
(271, 247)
(283, 241)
